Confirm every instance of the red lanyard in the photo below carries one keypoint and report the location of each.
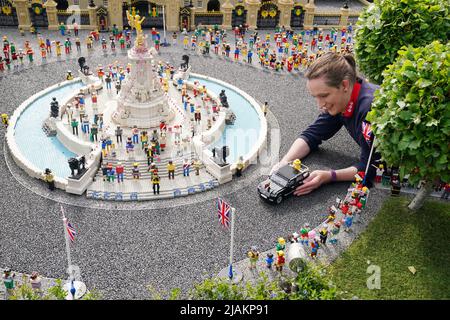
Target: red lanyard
(352, 103)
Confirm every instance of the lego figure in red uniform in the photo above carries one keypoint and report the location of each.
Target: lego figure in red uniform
(119, 171)
(280, 261)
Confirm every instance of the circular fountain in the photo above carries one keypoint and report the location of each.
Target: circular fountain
(146, 104)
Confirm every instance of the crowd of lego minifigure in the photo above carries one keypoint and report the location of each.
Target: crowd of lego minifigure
(283, 50)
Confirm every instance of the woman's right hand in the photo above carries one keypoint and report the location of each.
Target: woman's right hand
(277, 166)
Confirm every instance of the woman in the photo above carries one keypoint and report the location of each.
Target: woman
(344, 100)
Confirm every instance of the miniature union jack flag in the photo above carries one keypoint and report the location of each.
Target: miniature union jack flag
(223, 211)
(367, 131)
(70, 231)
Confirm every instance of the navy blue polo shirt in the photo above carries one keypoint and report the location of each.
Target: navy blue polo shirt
(326, 126)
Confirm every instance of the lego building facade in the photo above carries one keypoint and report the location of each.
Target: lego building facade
(178, 14)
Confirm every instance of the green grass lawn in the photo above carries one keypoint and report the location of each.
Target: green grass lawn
(395, 240)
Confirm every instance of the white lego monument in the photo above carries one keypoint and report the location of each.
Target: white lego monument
(141, 101)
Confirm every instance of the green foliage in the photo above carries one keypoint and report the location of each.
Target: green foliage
(411, 113)
(310, 284)
(92, 295)
(173, 294)
(24, 291)
(387, 25)
(313, 284)
(57, 291)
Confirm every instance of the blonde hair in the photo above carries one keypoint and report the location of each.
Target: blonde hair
(334, 67)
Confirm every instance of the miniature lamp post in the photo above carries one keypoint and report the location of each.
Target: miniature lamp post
(296, 257)
(72, 289)
(165, 43)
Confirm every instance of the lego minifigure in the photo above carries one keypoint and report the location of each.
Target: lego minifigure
(135, 133)
(62, 29)
(197, 164)
(348, 221)
(331, 215)
(186, 168)
(280, 261)
(74, 125)
(5, 120)
(119, 171)
(85, 124)
(152, 169)
(379, 173)
(155, 183)
(269, 260)
(323, 233)
(135, 171)
(314, 247)
(446, 192)
(304, 234)
(108, 81)
(162, 141)
(30, 54)
(253, 255)
(118, 133)
(49, 178)
(104, 171)
(239, 166)
(345, 207)
(111, 173)
(334, 232)
(297, 164)
(265, 108)
(118, 86)
(8, 281)
(171, 170)
(129, 145)
(395, 184)
(144, 139)
(363, 198)
(281, 245)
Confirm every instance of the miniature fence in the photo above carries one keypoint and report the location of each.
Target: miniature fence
(326, 20)
(69, 17)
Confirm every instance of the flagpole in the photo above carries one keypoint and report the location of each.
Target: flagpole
(230, 272)
(165, 44)
(69, 260)
(368, 161)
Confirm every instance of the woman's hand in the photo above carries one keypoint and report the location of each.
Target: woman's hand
(314, 181)
(277, 166)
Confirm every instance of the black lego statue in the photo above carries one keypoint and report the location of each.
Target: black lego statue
(81, 63)
(78, 164)
(185, 65)
(223, 99)
(54, 108)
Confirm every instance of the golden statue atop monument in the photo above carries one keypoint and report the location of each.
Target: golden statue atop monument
(135, 21)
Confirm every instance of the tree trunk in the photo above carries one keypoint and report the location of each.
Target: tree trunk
(420, 197)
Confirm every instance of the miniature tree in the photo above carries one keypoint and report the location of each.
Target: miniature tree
(411, 116)
(388, 25)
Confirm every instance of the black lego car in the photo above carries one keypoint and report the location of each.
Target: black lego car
(282, 183)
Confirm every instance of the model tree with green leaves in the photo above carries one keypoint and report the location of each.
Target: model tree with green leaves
(387, 25)
(410, 116)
